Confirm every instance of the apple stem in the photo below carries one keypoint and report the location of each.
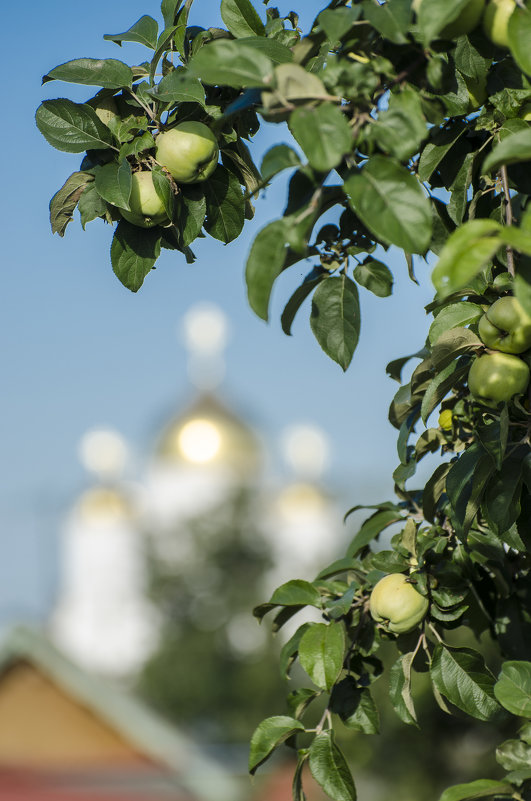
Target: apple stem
(508, 217)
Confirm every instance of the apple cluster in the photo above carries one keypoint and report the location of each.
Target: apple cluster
(500, 374)
(189, 152)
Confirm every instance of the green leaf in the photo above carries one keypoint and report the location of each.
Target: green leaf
(454, 315)
(291, 308)
(321, 653)
(241, 18)
(164, 190)
(136, 146)
(330, 770)
(277, 52)
(134, 251)
(391, 19)
(400, 689)
(514, 755)
(511, 150)
(461, 676)
(439, 387)
(113, 182)
(433, 16)
(296, 593)
(468, 249)
(335, 318)
(169, 9)
(452, 343)
(375, 276)
(269, 734)
(108, 73)
(278, 158)
(371, 528)
(264, 265)
(501, 505)
(190, 212)
(513, 688)
(178, 86)
(225, 62)
(289, 652)
(91, 205)
(64, 202)
(337, 22)
(355, 706)
(519, 36)
(401, 128)
(144, 31)
(391, 203)
(225, 205)
(72, 127)
(323, 133)
(441, 142)
(481, 788)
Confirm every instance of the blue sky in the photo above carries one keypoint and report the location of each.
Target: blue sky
(80, 350)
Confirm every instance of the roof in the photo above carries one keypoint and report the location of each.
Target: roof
(151, 735)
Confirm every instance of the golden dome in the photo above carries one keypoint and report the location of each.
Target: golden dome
(104, 504)
(208, 433)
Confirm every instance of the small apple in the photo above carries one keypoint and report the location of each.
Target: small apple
(465, 22)
(506, 326)
(525, 112)
(147, 209)
(397, 604)
(189, 151)
(446, 420)
(496, 377)
(496, 21)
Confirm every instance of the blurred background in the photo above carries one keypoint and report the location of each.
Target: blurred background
(167, 460)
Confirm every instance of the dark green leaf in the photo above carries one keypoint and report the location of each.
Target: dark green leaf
(299, 296)
(453, 316)
(225, 205)
(441, 142)
(91, 205)
(190, 212)
(337, 22)
(375, 276)
(144, 31)
(113, 182)
(330, 770)
(433, 16)
(72, 127)
(323, 133)
(401, 129)
(296, 593)
(371, 528)
(278, 158)
(335, 318)
(321, 653)
(289, 651)
(355, 706)
(164, 190)
(391, 203)
(501, 505)
(277, 52)
(241, 18)
(391, 19)
(64, 202)
(461, 676)
(400, 689)
(108, 73)
(264, 265)
(134, 251)
(178, 86)
(270, 733)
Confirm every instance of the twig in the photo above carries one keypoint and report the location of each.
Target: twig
(508, 217)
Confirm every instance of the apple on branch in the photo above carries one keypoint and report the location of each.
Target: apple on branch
(147, 209)
(506, 326)
(496, 377)
(189, 152)
(396, 603)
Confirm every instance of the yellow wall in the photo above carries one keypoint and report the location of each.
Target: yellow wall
(41, 726)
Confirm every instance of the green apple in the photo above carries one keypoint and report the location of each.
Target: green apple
(506, 326)
(397, 604)
(189, 151)
(496, 21)
(465, 22)
(496, 377)
(147, 209)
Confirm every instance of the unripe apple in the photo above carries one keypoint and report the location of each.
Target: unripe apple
(496, 377)
(465, 22)
(189, 151)
(446, 420)
(496, 21)
(396, 603)
(147, 209)
(506, 326)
